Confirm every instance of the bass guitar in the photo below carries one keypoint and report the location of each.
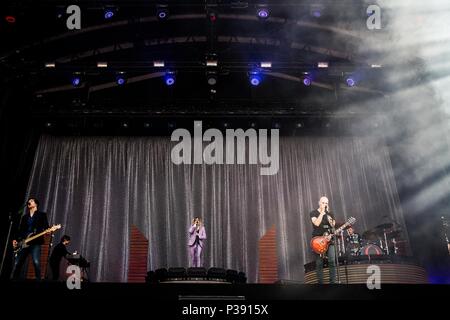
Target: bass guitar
(24, 243)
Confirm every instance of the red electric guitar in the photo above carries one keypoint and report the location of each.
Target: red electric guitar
(320, 244)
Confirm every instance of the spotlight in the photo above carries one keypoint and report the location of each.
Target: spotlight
(169, 78)
(76, 80)
(10, 19)
(212, 15)
(124, 125)
(162, 12)
(211, 78)
(109, 12)
(121, 79)
(316, 10)
(60, 12)
(158, 64)
(350, 81)
(306, 80)
(48, 124)
(171, 125)
(262, 12)
(255, 78)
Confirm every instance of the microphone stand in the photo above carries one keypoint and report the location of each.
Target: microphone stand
(336, 257)
(5, 249)
(50, 245)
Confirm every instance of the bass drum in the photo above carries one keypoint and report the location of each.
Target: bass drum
(371, 249)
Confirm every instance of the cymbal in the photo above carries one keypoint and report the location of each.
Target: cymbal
(384, 226)
(394, 234)
(370, 235)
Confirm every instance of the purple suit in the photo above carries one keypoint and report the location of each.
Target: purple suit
(196, 245)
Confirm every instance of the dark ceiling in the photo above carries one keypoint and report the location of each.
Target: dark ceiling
(291, 38)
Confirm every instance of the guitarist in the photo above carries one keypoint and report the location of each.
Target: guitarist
(34, 221)
(323, 222)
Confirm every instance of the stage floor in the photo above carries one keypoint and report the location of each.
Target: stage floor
(285, 291)
(217, 301)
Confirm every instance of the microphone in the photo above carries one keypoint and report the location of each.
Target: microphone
(326, 209)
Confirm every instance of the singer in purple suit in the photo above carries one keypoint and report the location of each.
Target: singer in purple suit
(197, 235)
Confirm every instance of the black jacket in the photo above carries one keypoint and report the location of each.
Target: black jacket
(39, 224)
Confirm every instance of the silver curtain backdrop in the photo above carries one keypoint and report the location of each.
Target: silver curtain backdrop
(98, 187)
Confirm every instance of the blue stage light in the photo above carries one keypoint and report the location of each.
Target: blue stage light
(255, 78)
(169, 78)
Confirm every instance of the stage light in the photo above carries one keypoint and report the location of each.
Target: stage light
(60, 12)
(171, 125)
(158, 64)
(262, 12)
(266, 64)
(212, 16)
(169, 78)
(306, 80)
(102, 64)
(109, 12)
(316, 10)
(211, 77)
(121, 78)
(350, 81)
(10, 19)
(76, 80)
(212, 62)
(124, 125)
(255, 78)
(50, 65)
(322, 64)
(162, 12)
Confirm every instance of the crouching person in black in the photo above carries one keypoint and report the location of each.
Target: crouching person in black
(59, 252)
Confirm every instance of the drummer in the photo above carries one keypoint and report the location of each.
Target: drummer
(353, 241)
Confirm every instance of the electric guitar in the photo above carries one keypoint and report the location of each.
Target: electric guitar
(24, 243)
(320, 244)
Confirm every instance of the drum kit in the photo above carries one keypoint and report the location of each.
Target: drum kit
(384, 239)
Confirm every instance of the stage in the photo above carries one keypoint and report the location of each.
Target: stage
(239, 293)
(228, 145)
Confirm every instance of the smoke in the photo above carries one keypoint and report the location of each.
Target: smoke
(414, 47)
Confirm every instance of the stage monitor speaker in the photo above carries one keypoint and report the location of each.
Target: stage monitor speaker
(217, 273)
(176, 272)
(161, 274)
(232, 275)
(196, 272)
